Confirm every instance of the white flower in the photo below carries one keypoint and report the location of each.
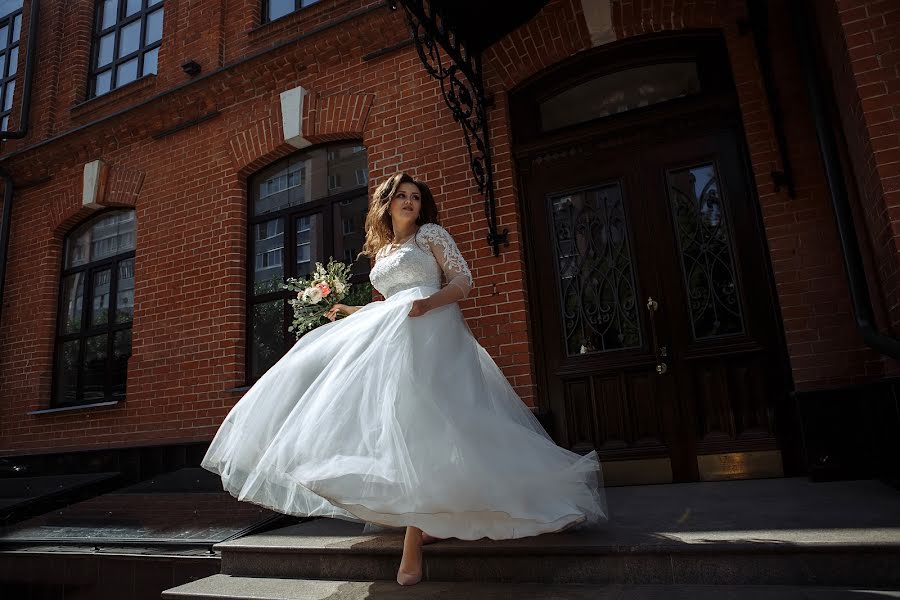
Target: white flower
(312, 295)
(339, 287)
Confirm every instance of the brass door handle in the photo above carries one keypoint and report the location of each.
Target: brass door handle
(658, 351)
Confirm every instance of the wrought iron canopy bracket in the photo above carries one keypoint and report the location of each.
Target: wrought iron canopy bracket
(456, 65)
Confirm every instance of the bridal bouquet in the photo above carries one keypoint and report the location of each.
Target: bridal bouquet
(316, 294)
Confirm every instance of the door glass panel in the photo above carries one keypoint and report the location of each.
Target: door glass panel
(595, 271)
(707, 255)
(310, 244)
(268, 245)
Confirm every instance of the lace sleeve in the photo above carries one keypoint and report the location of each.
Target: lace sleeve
(448, 257)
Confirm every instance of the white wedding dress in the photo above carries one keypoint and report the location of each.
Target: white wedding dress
(384, 418)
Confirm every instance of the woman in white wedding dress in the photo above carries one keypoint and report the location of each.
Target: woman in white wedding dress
(396, 415)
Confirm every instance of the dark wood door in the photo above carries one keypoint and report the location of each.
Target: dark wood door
(653, 308)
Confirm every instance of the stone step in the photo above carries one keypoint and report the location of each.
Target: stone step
(225, 587)
(337, 550)
(767, 532)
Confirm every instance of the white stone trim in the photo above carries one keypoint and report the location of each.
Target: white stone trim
(292, 117)
(598, 18)
(93, 183)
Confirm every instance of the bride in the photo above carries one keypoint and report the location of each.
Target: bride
(396, 415)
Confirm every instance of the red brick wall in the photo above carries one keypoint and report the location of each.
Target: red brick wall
(864, 63)
(189, 191)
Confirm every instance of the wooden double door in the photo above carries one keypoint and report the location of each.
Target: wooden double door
(658, 340)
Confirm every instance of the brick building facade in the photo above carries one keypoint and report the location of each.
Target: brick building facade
(178, 160)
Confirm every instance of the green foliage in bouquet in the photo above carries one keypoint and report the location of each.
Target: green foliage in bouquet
(322, 289)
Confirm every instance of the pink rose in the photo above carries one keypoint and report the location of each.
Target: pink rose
(324, 288)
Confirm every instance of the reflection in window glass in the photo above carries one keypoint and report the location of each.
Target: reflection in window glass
(100, 305)
(112, 67)
(268, 252)
(619, 92)
(10, 32)
(310, 247)
(93, 371)
(319, 199)
(98, 267)
(267, 338)
(275, 9)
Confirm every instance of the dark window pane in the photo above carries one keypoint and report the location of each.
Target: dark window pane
(8, 94)
(119, 364)
(108, 13)
(125, 291)
(72, 302)
(150, 60)
(707, 258)
(268, 249)
(17, 28)
(310, 240)
(3, 65)
(154, 26)
(4, 36)
(620, 92)
(100, 303)
(595, 271)
(129, 38)
(152, 2)
(104, 80)
(279, 8)
(105, 51)
(348, 245)
(13, 61)
(344, 167)
(4, 124)
(131, 7)
(67, 373)
(94, 372)
(267, 336)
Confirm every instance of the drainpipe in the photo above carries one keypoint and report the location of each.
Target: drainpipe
(837, 187)
(18, 134)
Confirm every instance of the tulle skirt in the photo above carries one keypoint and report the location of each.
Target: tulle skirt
(394, 420)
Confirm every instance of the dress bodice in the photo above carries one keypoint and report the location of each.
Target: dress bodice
(421, 260)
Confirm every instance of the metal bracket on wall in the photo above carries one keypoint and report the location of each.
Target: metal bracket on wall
(448, 59)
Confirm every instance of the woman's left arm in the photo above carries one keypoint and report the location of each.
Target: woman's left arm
(452, 263)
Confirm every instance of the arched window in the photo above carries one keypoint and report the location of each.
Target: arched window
(304, 209)
(96, 310)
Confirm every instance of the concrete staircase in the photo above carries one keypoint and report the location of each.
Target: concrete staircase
(779, 538)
